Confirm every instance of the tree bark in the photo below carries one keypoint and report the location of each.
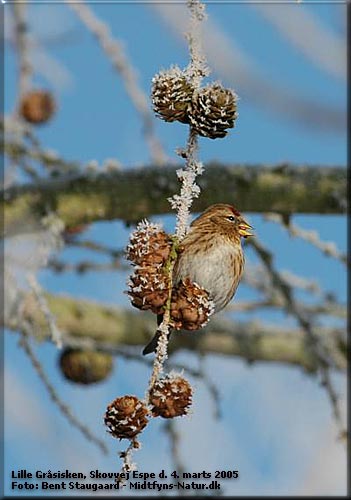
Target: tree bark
(110, 328)
(133, 194)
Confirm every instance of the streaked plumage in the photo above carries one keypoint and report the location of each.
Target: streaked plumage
(211, 255)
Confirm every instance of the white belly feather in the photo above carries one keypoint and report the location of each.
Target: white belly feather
(210, 271)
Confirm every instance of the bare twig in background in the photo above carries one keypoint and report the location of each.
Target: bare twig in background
(43, 63)
(114, 51)
(25, 255)
(48, 159)
(56, 335)
(21, 134)
(327, 247)
(85, 266)
(24, 77)
(97, 247)
(170, 427)
(10, 125)
(21, 41)
(210, 385)
(314, 344)
(257, 277)
(65, 410)
(306, 31)
(329, 308)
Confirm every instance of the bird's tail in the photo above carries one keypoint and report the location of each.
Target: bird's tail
(151, 346)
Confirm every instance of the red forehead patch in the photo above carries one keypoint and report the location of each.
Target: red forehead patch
(235, 211)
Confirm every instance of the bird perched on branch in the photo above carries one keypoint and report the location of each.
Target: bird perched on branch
(211, 256)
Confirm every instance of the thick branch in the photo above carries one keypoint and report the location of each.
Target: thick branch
(110, 328)
(134, 194)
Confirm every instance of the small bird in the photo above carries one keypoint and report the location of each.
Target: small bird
(211, 256)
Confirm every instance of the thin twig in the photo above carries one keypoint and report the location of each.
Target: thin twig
(127, 464)
(211, 386)
(304, 29)
(25, 66)
(257, 277)
(65, 410)
(329, 308)
(174, 437)
(24, 70)
(327, 247)
(113, 49)
(56, 335)
(84, 266)
(323, 360)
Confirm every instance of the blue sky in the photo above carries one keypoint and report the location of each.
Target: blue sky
(276, 421)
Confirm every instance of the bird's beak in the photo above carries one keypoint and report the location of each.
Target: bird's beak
(244, 229)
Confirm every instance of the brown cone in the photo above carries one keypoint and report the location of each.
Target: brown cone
(126, 417)
(171, 95)
(171, 397)
(149, 245)
(190, 306)
(213, 111)
(37, 106)
(149, 289)
(85, 366)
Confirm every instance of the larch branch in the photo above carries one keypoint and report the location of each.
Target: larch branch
(109, 328)
(133, 194)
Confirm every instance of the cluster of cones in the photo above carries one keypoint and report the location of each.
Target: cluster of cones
(150, 251)
(210, 110)
(127, 416)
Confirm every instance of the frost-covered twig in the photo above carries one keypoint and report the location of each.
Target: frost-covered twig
(189, 189)
(195, 71)
(161, 349)
(197, 67)
(56, 335)
(327, 247)
(114, 50)
(65, 410)
(127, 463)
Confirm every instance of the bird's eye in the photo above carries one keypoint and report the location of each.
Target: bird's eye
(231, 218)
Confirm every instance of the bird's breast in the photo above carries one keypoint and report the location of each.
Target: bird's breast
(217, 268)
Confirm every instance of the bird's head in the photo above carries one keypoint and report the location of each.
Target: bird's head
(226, 219)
